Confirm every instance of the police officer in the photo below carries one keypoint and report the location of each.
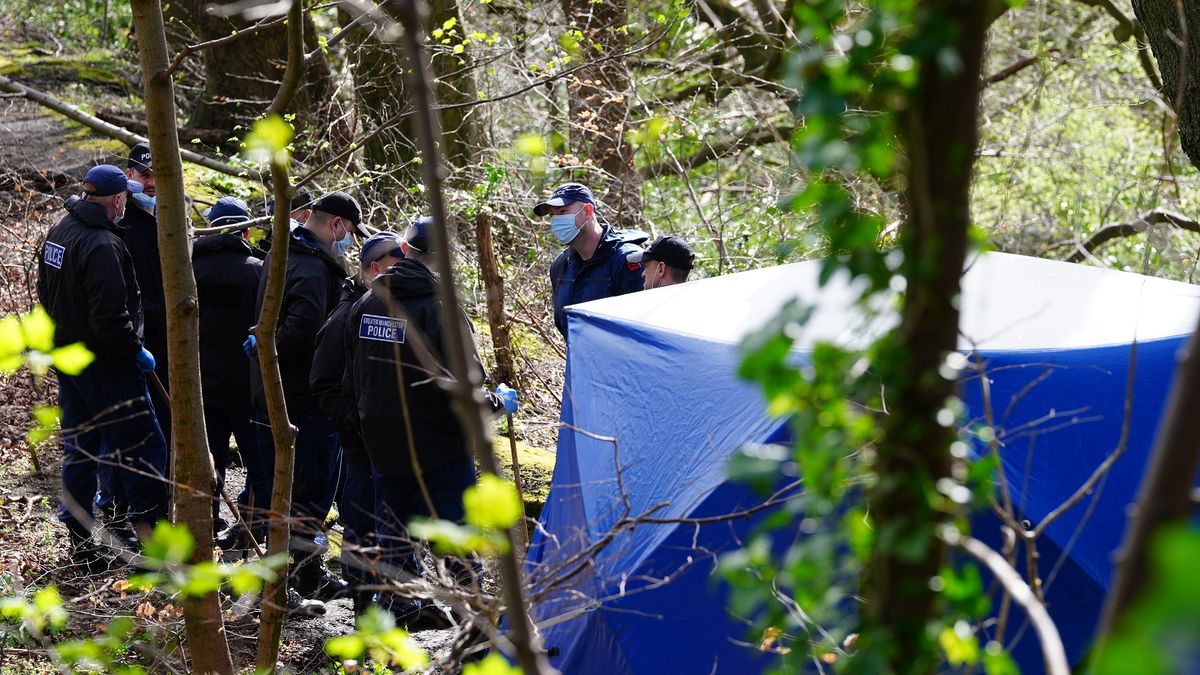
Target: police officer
(311, 290)
(595, 263)
(227, 284)
(87, 283)
(356, 505)
(666, 262)
(404, 413)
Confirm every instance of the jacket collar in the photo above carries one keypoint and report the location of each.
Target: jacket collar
(230, 241)
(91, 214)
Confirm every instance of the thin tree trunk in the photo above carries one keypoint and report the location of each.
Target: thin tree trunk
(939, 136)
(493, 285)
(195, 482)
(598, 100)
(467, 387)
(1165, 495)
(274, 603)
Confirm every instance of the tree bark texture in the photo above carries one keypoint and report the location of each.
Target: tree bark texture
(1176, 47)
(242, 77)
(195, 480)
(283, 434)
(939, 136)
(599, 112)
(493, 284)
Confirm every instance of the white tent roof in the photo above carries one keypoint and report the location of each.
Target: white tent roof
(1009, 302)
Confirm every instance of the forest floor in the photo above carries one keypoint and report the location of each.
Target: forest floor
(42, 158)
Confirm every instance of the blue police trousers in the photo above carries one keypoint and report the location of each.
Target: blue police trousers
(107, 419)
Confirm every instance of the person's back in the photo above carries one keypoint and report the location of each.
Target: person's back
(227, 276)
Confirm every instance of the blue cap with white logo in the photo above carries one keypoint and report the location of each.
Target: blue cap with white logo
(227, 211)
(565, 194)
(107, 180)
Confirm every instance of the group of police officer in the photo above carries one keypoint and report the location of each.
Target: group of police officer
(360, 357)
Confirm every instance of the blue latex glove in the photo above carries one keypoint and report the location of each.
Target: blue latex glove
(145, 361)
(250, 345)
(508, 396)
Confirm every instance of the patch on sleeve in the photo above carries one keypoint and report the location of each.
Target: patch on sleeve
(381, 328)
(53, 254)
(633, 267)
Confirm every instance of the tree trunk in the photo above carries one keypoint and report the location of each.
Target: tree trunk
(598, 98)
(939, 136)
(493, 285)
(274, 603)
(1181, 87)
(195, 482)
(462, 134)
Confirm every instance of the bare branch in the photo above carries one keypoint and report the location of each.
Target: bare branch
(1119, 230)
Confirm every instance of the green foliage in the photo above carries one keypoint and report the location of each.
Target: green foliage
(492, 664)
(168, 551)
(492, 503)
(43, 612)
(376, 634)
(269, 140)
(1158, 633)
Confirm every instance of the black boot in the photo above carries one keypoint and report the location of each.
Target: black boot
(313, 580)
(362, 600)
(299, 606)
(87, 557)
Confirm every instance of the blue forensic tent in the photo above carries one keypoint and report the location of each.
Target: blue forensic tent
(652, 389)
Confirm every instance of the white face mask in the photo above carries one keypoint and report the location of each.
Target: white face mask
(341, 246)
(564, 228)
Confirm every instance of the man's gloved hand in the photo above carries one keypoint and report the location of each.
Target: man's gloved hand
(508, 396)
(250, 345)
(145, 361)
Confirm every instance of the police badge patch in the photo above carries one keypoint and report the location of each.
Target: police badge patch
(53, 254)
(381, 328)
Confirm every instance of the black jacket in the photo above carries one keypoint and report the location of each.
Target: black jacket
(310, 292)
(86, 283)
(227, 282)
(139, 230)
(401, 308)
(329, 367)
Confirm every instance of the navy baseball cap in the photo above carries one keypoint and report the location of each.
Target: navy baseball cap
(107, 180)
(671, 250)
(565, 194)
(227, 211)
(379, 245)
(341, 205)
(139, 158)
(418, 235)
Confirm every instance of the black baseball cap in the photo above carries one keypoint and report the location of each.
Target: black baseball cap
(565, 194)
(379, 245)
(418, 235)
(139, 158)
(341, 205)
(301, 200)
(108, 180)
(670, 250)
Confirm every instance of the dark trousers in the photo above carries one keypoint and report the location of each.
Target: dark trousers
(399, 500)
(109, 492)
(220, 422)
(357, 512)
(315, 479)
(107, 420)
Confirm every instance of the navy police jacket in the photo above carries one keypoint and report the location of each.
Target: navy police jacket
(329, 367)
(139, 231)
(607, 273)
(311, 290)
(227, 284)
(87, 284)
(409, 420)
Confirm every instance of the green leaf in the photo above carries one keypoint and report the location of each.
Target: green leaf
(960, 645)
(345, 647)
(38, 328)
(268, 139)
(47, 419)
(202, 579)
(493, 503)
(403, 650)
(49, 606)
(72, 359)
(530, 145)
(255, 235)
(452, 538)
(449, 23)
(12, 340)
(244, 580)
(996, 661)
(169, 543)
(494, 664)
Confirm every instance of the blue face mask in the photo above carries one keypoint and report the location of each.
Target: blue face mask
(563, 227)
(145, 201)
(342, 245)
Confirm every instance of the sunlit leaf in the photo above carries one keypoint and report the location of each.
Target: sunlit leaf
(12, 340)
(493, 503)
(530, 145)
(38, 329)
(72, 359)
(169, 543)
(202, 579)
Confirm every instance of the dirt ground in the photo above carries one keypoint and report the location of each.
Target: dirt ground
(42, 159)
